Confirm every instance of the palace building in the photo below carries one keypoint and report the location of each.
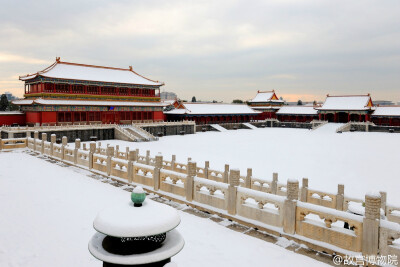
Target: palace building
(386, 116)
(267, 102)
(210, 113)
(346, 108)
(71, 93)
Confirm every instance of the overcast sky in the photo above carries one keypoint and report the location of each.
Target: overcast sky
(220, 50)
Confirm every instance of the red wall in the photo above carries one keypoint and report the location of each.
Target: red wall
(158, 116)
(9, 119)
(49, 117)
(32, 117)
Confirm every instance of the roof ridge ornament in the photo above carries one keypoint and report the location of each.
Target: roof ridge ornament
(57, 59)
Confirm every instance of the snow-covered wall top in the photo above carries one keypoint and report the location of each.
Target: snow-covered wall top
(73, 71)
(200, 108)
(300, 110)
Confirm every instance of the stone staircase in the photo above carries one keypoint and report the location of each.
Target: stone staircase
(140, 134)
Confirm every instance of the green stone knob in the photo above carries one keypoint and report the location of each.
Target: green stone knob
(138, 196)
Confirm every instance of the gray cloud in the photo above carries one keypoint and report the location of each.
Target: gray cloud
(214, 49)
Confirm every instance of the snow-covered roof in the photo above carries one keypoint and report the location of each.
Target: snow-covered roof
(214, 108)
(268, 96)
(297, 110)
(387, 111)
(22, 102)
(11, 113)
(56, 102)
(347, 102)
(168, 102)
(74, 71)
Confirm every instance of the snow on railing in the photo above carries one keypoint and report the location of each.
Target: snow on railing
(283, 208)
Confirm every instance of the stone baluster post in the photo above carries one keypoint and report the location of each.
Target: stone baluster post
(226, 174)
(274, 184)
(383, 200)
(110, 153)
(206, 168)
(116, 151)
(77, 146)
(137, 153)
(304, 190)
(132, 157)
(148, 157)
(35, 137)
(84, 146)
(234, 182)
(189, 186)
(289, 207)
(53, 139)
(173, 161)
(44, 139)
(64, 142)
(371, 224)
(157, 169)
(247, 182)
(92, 150)
(78, 143)
(340, 197)
(127, 153)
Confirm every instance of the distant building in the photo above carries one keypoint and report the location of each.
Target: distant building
(10, 96)
(267, 102)
(383, 103)
(168, 96)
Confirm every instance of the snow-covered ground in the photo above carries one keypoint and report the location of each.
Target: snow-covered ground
(361, 161)
(47, 211)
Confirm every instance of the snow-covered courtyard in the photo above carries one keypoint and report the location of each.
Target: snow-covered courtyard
(47, 210)
(361, 161)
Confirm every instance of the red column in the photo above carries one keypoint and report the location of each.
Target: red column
(70, 88)
(348, 117)
(335, 117)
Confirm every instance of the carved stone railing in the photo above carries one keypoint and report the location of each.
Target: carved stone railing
(211, 193)
(389, 233)
(323, 226)
(301, 214)
(143, 174)
(172, 182)
(13, 143)
(100, 163)
(260, 206)
(119, 168)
